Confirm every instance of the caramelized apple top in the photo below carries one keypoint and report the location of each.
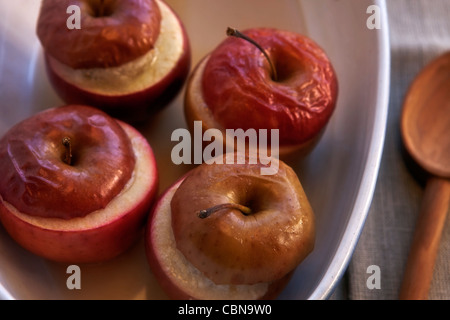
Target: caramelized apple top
(113, 32)
(36, 178)
(237, 85)
(236, 246)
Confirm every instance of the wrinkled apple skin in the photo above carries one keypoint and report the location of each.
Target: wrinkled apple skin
(158, 260)
(38, 182)
(135, 107)
(99, 43)
(231, 247)
(238, 88)
(196, 109)
(84, 243)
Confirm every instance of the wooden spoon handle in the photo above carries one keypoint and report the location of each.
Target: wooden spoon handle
(425, 245)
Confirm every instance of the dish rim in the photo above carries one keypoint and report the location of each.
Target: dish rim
(338, 265)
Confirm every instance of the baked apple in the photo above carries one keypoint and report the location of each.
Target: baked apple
(77, 185)
(265, 78)
(224, 231)
(130, 58)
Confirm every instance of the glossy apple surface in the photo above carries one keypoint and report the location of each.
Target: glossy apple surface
(177, 277)
(69, 229)
(37, 180)
(135, 89)
(233, 88)
(111, 32)
(228, 255)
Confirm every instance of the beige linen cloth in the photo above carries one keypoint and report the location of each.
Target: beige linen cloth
(419, 32)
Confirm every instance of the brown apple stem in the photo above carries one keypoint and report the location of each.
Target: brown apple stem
(202, 214)
(68, 155)
(236, 33)
(101, 9)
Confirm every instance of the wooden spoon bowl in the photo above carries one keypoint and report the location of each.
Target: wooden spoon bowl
(425, 129)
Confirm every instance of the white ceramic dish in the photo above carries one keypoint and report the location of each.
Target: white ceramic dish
(339, 176)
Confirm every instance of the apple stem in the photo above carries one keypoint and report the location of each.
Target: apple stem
(68, 156)
(101, 9)
(236, 33)
(202, 214)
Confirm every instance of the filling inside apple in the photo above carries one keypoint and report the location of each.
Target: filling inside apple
(135, 190)
(182, 272)
(137, 74)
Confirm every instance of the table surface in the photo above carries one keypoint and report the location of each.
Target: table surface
(419, 32)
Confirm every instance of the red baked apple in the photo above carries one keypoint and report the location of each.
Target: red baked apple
(130, 58)
(76, 185)
(265, 78)
(224, 231)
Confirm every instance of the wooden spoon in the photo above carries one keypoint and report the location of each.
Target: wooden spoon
(425, 129)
